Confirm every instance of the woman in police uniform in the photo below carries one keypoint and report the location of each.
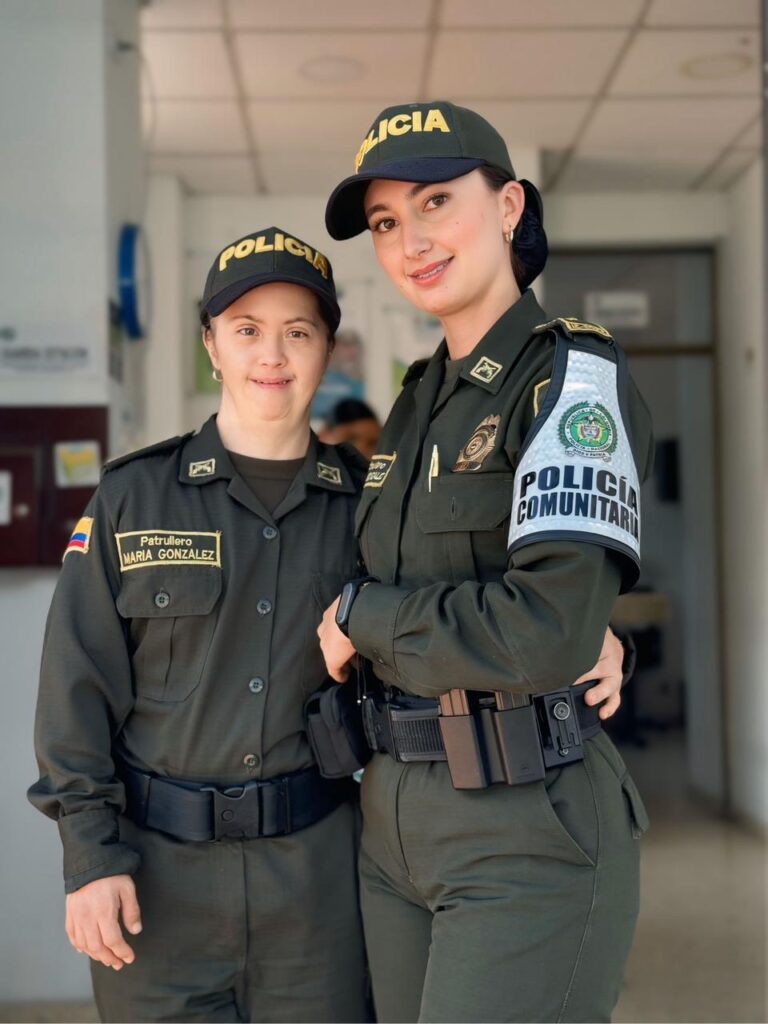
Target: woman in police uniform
(499, 521)
(179, 651)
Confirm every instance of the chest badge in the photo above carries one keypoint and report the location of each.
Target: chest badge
(486, 369)
(330, 473)
(205, 468)
(479, 446)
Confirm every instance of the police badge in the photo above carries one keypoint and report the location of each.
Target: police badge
(478, 447)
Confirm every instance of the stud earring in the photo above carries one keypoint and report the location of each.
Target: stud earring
(216, 374)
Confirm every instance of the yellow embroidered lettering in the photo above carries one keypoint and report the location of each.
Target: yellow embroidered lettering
(321, 264)
(435, 120)
(225, 257)
(293, 247)
(279, 239)
(261, 244)
(399, 124)
(417, 121)
(382, 130)
(244, 248)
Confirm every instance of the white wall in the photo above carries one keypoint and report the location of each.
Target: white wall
(69, 101)
(744, 495)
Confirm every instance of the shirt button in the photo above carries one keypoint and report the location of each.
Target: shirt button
(162, 599)
(269, 533)
(251, 760)
(264, 607)
(256, 685)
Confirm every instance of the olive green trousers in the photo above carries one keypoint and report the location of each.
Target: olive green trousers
(244, 930)
(512, 903)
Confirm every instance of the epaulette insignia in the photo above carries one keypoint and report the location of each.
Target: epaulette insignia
(573, 326)
(539, 393)
(168, 445)
(415, 371)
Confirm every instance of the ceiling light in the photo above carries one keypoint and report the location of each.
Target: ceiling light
(330, 70)
(713, 66)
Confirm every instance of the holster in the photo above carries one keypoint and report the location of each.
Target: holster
(334, 723)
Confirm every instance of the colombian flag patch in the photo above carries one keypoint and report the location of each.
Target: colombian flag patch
(81, 536)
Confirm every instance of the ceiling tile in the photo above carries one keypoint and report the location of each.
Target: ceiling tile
(284, 174)
(659, 123)
(188, 65)
(541, 14)
(161, 14)
(725, 172)
(343, 14)
(195, 126)
(312, 125)
(501, 65)
(381, 64)
(698, 13)
(543, 123)
(706, 61)
(221, 176)
(635, 170)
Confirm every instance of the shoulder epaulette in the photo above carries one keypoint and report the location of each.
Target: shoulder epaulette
(415, 371)
(356, 463)
(569, 326)
(170, 444)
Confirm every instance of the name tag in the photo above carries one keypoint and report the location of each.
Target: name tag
(378, 469)
(138, 549)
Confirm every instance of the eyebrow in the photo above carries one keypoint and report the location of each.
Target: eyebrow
(378, 207)
(293, 320)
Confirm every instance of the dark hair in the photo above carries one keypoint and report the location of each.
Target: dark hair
(349, 410)
(325, 316)
(529, 250)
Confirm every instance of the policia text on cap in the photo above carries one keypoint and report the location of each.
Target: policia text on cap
(179, 652)
(500, 517)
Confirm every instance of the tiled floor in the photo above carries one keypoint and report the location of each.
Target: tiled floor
(700, 950)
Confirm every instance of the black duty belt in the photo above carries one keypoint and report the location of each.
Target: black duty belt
(489, 738)
(268, 807)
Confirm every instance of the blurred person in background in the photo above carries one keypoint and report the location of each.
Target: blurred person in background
(352, 421)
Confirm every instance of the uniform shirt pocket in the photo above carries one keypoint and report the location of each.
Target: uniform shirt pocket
(471, 513)
(171, 615)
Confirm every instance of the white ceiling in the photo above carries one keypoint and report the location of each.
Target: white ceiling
(618, 94)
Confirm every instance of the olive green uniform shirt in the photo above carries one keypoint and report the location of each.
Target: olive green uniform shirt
(454, 610)
(183, 640)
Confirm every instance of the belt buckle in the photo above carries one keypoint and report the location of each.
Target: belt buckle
(233, 811)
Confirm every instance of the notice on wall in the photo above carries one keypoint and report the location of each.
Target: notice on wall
(618, 309)
(77, 463)
(6, 489)
(27, 349)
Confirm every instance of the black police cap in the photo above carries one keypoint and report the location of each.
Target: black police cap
(265, 256)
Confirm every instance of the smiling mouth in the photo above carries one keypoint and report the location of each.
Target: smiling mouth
(271, 382)
(431, 273)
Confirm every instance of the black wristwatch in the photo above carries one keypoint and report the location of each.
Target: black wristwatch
(348, 594)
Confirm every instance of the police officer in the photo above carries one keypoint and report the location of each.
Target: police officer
(499, 520)
(179, 651)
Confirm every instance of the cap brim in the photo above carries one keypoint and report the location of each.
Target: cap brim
(345, 213)
(223, 299)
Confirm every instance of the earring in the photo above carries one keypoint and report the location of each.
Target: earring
(509, 236)
(216, 374)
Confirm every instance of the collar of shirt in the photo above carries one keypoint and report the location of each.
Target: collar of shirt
(491, 360)
(205, 459)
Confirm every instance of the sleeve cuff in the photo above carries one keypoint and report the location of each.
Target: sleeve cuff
(372, 622)
(92, 848)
